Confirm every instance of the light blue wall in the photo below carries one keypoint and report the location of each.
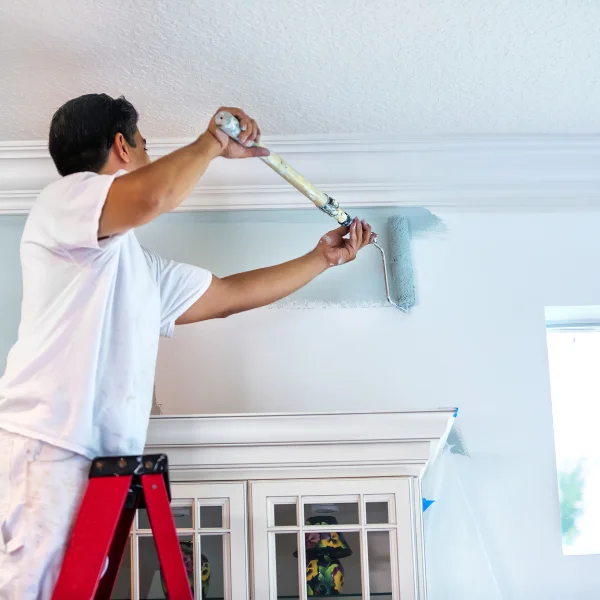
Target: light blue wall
(11, 228)
(229, 242)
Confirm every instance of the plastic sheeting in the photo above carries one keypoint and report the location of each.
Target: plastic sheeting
(458, 567)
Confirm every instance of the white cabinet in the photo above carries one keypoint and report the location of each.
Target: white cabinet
(289, 506)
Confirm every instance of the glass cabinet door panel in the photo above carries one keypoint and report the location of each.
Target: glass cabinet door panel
(122, 588)
(150, 580)
(214, 565)
(378, 512)
(285, 514)
(183, 515)
(286, 564)
(211, 517)
(336, 573)
(346, 512)
(380, 562)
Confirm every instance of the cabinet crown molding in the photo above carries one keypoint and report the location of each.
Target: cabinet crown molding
(269, 446)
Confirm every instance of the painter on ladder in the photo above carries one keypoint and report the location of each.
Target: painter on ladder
(79, 380)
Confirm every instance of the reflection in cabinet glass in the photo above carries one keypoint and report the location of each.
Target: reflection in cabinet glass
(345, 510)
(211, 525)
(211, 517)
(377, 510)
(286, 566)
(183, 515)
(379, 548)
(285, 512)
(123, 587)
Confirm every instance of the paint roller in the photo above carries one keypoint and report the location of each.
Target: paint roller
(398, 226)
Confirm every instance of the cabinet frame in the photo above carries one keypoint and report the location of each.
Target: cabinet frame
(406, 560)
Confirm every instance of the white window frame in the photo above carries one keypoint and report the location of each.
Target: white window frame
(574, 319)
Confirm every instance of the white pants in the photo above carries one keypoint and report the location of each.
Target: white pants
(41, 488)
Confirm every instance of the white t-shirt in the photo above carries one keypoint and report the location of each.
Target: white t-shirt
(81, 374)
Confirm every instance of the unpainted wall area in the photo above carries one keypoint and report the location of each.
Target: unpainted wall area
(475, 340)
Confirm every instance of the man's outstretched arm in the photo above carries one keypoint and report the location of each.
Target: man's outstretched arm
(139, 197)
(253, 289)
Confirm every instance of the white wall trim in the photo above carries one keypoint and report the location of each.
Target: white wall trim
(297, 428)
(225, 447)
(465, 173)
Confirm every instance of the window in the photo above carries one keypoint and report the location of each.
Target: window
(573, 336)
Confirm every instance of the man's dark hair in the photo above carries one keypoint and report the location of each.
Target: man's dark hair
(83, 130)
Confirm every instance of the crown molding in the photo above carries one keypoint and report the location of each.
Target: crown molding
(265, 446)
(499, 173)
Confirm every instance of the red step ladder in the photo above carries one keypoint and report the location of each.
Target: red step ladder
(118, 486)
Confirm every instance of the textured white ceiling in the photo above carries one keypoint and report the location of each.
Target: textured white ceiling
(302, 66)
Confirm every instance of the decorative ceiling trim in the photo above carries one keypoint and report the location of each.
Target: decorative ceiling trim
(465, 173)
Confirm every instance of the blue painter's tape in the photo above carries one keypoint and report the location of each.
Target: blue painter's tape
(427, 504)
(455, 413)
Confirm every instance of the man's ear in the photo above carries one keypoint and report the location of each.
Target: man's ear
(121, 147)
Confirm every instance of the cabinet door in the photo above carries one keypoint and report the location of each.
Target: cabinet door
(353, 538)
(211, 525)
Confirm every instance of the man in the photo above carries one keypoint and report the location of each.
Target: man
(79, 380)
